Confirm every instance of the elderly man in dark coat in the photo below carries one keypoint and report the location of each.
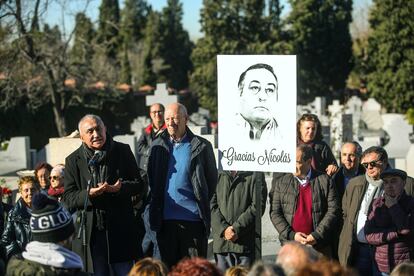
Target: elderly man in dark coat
(110, 239)
(183, 177)
(390, 224)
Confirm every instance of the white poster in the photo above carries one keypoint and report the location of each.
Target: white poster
(257, 112)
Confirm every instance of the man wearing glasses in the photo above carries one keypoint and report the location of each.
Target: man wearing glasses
(152, 131)
(356, 203)
(258, 91)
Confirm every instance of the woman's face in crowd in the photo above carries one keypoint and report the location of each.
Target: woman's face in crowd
(307, 131)
(56, 179)
(43, 177)
(27, 191)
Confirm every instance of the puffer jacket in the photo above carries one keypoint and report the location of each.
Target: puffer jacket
(351, 202)
(235, 204)
(325, 208)
(17, 231)
(391, 232)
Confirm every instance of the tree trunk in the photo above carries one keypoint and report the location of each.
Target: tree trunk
(60, 121)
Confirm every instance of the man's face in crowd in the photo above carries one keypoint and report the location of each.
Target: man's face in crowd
(349, 158)
(302, 167)
(393, 185)
(93, 134)
(374, 167)
(176, 121)
(157, 115)
(258, 96)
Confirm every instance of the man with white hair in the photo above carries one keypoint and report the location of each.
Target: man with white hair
(182, 176)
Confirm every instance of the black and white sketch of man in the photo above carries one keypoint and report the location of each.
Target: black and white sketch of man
(258, 91)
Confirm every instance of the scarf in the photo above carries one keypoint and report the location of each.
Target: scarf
(52, 254)
(378, 191)
(58, 192)
(99, 174)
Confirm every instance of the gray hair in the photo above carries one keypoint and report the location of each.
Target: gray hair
(94, 117)
(59, 169)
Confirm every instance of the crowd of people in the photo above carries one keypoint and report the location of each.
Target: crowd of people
(103, 213)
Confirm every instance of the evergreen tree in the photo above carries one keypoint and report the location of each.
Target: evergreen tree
(125, 75)
(322, 41)
(133, 20)
(391, 55)
(82, 50)
(175, 46)
(109, 27)
(152, 63)
(230, 27)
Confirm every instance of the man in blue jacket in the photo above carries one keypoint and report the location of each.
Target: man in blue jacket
(183, 176)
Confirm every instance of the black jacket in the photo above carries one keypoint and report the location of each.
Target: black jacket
(203, 177)
(120, 223)
(323, 156)
(17, 231)
(338, 179)
(325, 207)
(235, 204)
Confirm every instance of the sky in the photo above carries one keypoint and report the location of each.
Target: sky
(191, 12)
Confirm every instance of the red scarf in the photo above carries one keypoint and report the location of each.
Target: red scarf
(55, 192)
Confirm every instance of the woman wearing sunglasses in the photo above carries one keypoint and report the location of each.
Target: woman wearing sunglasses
(56, 188)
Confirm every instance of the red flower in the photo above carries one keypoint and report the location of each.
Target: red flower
(6, 191)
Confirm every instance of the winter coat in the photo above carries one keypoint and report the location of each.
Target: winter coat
(235, 204)
(325, 209)
(4, 210)
(17, 232)
(144, 145)
(203, 177)
(391, 232)
(322, 156)
(121, 229)
(351, 202)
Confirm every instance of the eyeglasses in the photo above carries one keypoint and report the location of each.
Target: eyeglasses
(54, 177)
(374, 163)
(157, 112)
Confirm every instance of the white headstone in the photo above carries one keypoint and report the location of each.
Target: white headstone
(398, 129)
(16, 157)
(60, 148)
(371, 114)
(161, 96)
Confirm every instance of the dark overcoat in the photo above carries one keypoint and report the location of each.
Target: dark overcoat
(121, 229)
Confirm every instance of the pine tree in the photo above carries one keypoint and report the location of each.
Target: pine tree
(133, 20)
(230, 27)
(322, 41)
(109, 27)
(176, 46)
(391, 55)
(82, 50)
(152, 63)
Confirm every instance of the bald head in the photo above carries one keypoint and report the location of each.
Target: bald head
(294, 256)
(350, 156)
(176, 118)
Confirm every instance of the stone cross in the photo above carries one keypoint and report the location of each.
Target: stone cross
(161, 96)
